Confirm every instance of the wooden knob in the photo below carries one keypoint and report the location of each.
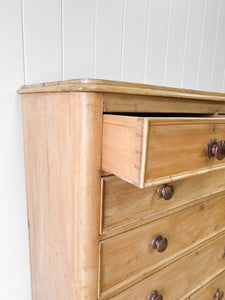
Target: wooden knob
(155, 296)
(159, 243)
(218, 294)
(216, 149)
(165, 191)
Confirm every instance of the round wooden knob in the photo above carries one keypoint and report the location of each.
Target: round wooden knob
(155, 296)
(216, 149)
(218, 294)
(165, 191)
(159, 243)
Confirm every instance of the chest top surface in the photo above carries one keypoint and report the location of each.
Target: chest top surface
(118, 87)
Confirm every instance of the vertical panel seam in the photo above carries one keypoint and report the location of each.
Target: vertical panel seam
(223, 82)
(95, 38)
(201, 45)
(122, 45)
(185, 45)
(147, 41)
(216, 43)
(167, 43)
(62, 39)
(23, 42)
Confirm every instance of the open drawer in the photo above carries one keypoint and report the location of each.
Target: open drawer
(147, 151)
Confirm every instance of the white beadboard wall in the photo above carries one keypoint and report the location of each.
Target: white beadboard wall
(178, 43)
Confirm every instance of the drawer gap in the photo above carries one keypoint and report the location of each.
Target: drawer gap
(172, 115)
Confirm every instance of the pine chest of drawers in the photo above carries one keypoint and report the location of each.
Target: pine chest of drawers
(125, 191)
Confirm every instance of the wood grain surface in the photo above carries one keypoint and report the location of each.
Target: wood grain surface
(129, 257)
(126, 206)
(63, 187)
(91, 237)
(192, 271)
(162, 150)
(107, 86)
(123, 103)
(123, 147)
(208, 289)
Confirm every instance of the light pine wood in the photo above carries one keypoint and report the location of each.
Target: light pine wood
(90, 231)
(142, 220)
(123, 147)
(152, 104)
(208, 290)
(184, 143)
(176, 147)
(181, 277)
(128, 257)
(63, 192)
(125, 205)
(107, 86)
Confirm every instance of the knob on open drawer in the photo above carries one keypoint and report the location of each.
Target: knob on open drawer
(151, 151)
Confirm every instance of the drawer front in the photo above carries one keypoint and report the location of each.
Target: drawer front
(179, 278)
(126, 205)
(214, 289)
(150, 151)
(127, 256)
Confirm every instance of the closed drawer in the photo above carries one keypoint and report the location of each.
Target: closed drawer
(214, 289)
(124, 205)
(150, 151)
(181, 277)
(129, 256)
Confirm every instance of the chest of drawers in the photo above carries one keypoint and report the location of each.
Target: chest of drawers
(125, 191)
